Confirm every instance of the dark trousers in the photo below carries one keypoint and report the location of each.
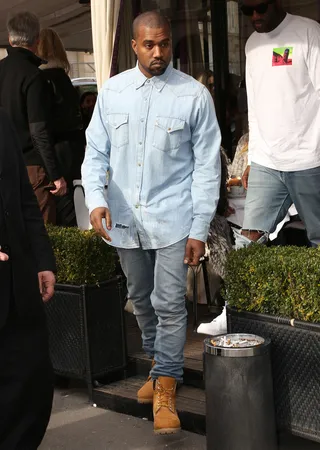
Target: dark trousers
(46, 201)
(26, 383)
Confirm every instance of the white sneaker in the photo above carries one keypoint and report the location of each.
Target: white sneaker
(216, 327)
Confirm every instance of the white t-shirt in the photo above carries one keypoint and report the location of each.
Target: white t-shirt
(283, 87)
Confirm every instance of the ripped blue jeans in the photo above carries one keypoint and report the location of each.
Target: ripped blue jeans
(270, 195)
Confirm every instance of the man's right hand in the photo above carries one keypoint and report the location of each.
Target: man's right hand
(245, 177)
(61, 187)
(96, 221)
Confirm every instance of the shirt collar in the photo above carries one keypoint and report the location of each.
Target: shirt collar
(159, 82)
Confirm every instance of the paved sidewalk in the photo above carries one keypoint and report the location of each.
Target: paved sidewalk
(76, 425)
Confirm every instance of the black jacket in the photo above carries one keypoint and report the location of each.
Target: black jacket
(25, 239)
(25, 95)
(67, 122)
(67, 119)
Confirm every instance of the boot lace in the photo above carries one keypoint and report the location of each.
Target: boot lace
(164, 397)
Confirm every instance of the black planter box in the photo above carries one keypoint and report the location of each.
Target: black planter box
(86, 330)
(295, 366)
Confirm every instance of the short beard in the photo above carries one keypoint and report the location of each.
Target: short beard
(158, 72)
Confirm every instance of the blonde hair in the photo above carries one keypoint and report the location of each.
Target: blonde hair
(204, 77)
(51, 48)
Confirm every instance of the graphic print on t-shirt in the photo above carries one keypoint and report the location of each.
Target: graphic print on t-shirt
(282, 56)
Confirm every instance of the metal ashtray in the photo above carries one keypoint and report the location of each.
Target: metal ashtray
(239, 340)
(236, 345)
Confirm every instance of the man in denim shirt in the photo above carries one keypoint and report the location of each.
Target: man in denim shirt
(155, 129)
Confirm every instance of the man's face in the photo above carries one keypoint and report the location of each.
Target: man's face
(153, 49)
(262, 13)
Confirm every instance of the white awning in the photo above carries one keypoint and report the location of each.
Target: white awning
(105, 14)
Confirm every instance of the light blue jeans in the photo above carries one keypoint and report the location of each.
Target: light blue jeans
(270, 195)
(156, 281)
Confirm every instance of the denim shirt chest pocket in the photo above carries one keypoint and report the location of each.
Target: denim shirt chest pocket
(168, 133)
(118, 128)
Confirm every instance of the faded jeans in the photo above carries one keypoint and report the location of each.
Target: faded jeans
(156, 281)
(270, 195)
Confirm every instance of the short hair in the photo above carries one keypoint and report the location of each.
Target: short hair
(23, 29)
(150, 19)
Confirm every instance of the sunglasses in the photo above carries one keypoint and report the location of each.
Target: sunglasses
(261, 8)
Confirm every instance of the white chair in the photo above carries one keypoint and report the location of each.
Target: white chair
(82, 212)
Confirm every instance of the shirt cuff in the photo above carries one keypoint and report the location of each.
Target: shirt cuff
(199, 230)
(96, 203)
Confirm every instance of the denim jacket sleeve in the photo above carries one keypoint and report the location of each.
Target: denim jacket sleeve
(206, 141)
(97, 157)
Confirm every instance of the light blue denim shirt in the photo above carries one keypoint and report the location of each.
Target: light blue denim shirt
(160, 140)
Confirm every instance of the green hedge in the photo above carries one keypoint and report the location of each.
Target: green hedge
(82, 256)
(282, 281)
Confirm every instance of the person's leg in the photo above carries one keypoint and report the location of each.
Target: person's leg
(138, 267)
(304, 188)
(46, 200)
(26, 384)
(168, 300)
(267, 203)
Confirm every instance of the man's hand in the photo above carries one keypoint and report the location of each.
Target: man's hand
(61, 187)
(3, 256)
(245, 177)
(47, 281)
(194, 251)
(96, 221)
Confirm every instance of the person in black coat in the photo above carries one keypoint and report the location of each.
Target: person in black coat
(67, 120)
(27, 267)
(25, 95)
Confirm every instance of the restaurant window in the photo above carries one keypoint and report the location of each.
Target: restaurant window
(191, 32)
(199, 41)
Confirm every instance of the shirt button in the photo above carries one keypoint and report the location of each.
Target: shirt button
(139, 164)
(137, 206)
(142, 120)
(6, 213)
(140, 143)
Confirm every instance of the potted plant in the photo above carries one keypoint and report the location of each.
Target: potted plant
(85, 316)
(275, 292)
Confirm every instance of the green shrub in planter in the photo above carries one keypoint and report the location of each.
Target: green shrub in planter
(282, 281)
(82, 256)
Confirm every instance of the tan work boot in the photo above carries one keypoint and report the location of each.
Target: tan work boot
(166, 420)
(145, 394)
